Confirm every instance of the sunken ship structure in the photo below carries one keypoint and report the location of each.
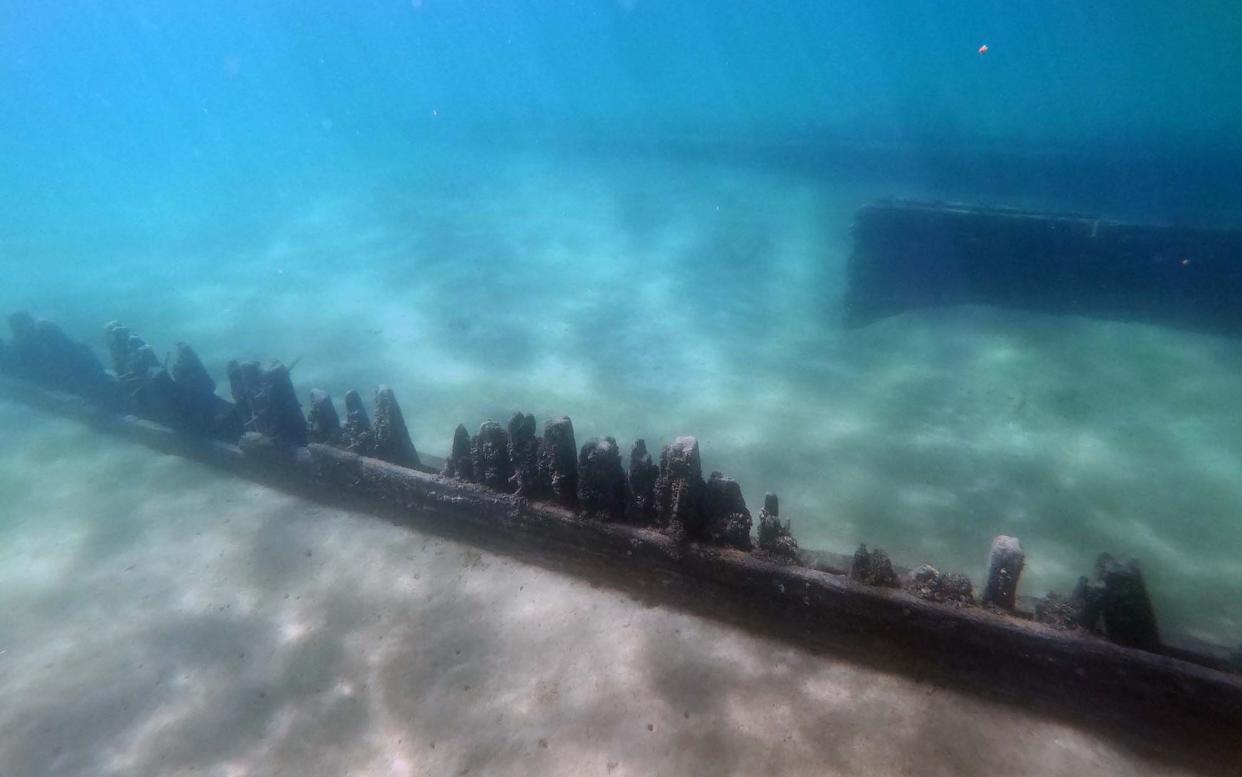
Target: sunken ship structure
(652, 514)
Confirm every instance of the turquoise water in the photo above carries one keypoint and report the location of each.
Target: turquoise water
(637, 213)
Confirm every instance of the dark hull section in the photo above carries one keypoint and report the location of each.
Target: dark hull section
(917, 255)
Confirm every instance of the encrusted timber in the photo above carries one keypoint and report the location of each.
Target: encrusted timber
(382, 433)
(1011, 651)
(1003, 573)
(177, 391)
(327, 469)
(41, 352)
(717, 514)
(1003, 653)
(1014, 654)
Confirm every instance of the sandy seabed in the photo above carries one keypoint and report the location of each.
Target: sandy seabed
(652, 298)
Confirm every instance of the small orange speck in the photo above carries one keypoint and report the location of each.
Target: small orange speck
(983, 49)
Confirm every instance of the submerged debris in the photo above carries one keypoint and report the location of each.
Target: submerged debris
(42, 352)
(387, 439)
(323, 425)
(356, 434)
(491, 456)
(198, 407)
(390, 439)
(1125, 606)
(460, 461)
(524, 456)
(1060, 611)
(927, 582)
(923, 578)
(673, 495)
(147, 387)
(873, 567)
(189, 373)
(180, 394)
(131, 356)
(955, 587)
(1116, 604)
(1088, 602)
(726, 519)
(266, 401)
(558, 460)
(178, 391)
(679, 488)
(774, 535)
(1080, 610)
(601, 479)
(642, 481)
(1005, 562)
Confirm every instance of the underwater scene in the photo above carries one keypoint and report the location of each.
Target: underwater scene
(959, 282)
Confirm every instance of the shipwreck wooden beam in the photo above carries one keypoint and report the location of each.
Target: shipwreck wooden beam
(664, 528)
(1004, 653)
(910, 255)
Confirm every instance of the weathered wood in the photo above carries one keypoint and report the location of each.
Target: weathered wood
(1005, 562)
(1003, 652)
(910, 255)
